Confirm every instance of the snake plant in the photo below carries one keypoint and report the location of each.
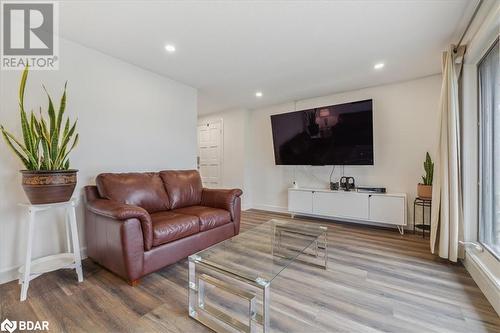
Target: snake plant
(429, 170)
(46, 144)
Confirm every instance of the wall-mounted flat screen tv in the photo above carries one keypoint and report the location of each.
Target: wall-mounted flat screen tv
(339, 134)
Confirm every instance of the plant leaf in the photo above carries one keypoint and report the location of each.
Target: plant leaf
(28, 155)
(54, 133)
(35, 139)
(23, 159)
(22, 86)
(28, 143)
(66, 128)
(45, 144)
(75, 142)
(56, 150)
(45, 161)
(66, 138)
(62, 107)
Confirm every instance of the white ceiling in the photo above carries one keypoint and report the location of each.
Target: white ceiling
(287, 49)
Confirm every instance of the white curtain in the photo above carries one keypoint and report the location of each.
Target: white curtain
(446, 219)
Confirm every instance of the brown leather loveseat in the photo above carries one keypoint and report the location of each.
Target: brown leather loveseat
(137, 223)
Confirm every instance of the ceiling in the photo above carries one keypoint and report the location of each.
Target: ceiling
(289, 50)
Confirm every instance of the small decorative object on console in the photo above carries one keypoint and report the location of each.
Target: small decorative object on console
(347, 183)
(334, 186)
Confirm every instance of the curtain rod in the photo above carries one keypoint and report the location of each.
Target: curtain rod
(468, 25)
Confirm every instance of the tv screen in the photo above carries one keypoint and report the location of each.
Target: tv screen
(331, 135)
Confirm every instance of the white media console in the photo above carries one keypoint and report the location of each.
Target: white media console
(386, 208)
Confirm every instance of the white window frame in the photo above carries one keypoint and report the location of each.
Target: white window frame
(493, 252)
(482, 265)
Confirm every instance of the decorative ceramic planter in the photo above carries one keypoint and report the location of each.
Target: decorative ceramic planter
(424, 191)
(43, 187)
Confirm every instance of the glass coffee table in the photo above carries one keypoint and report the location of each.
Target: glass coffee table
(244, 267)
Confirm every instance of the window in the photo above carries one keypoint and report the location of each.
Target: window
(489, 138)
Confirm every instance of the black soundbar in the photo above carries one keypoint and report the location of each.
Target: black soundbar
(370, 189)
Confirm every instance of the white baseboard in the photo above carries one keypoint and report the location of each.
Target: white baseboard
(484, 279)
(271, 208)
(246, 207)
(83, 252)
(11, 273)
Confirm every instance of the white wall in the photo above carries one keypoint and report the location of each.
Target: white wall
(405, 128)
(235, 150)
(129, 119)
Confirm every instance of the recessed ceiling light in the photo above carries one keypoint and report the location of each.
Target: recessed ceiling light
(380, 65)
(170, 48)
(258, 94)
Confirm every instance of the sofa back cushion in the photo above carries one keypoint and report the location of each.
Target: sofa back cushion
(183, 187)
(145, 190)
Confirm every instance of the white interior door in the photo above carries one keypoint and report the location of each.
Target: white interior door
(210, 153)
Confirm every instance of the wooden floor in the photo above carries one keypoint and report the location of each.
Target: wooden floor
(376, 281)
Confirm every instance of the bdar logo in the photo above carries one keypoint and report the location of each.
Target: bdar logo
(8, 325)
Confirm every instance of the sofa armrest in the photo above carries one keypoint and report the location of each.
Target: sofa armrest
(119, 211)
(224, 199)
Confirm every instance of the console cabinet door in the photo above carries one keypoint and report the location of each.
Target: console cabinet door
(341, 204)
(300, 201)
(387, 209)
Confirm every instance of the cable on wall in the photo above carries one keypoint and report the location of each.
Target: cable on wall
(331, 173)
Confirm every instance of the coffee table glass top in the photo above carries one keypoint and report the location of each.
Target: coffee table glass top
(261, 253)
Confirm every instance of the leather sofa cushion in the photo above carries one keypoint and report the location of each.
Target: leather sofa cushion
(170, 226)
(145, 190)
(209, 217)
(183, 187)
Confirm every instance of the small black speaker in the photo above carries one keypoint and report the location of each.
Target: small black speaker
(347, 183)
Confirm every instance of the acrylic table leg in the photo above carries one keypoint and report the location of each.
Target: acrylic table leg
(27, 261)
(252, 315)
(265, 309)
(192, 288)
(76, 243)
(201, 293)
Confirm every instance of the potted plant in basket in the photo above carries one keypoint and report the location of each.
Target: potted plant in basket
(44, 151)
(424, 190)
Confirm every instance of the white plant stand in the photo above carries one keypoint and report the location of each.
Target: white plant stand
(71, 260)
